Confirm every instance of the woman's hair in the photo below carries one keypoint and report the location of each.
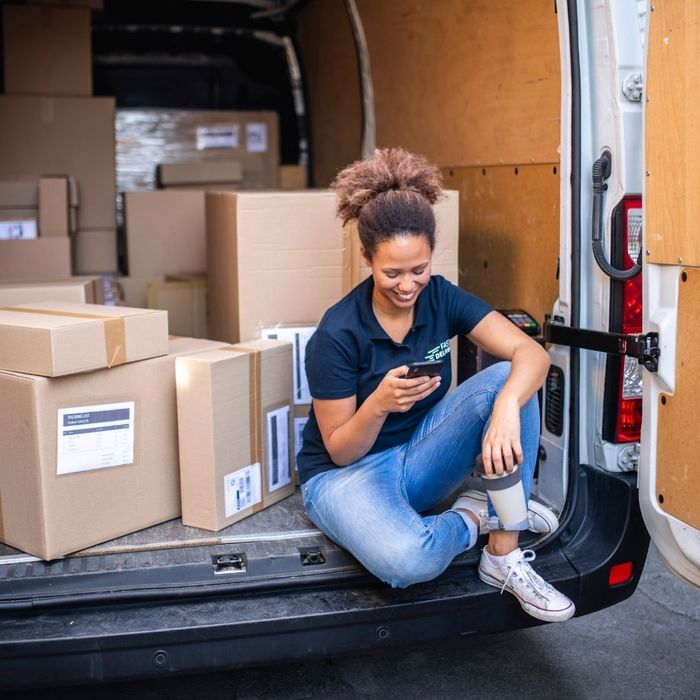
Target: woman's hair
(390, 195)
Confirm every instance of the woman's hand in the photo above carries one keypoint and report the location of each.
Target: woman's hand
(501, 448)
(395, 394)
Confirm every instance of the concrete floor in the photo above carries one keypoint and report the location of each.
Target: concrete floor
(646, 647)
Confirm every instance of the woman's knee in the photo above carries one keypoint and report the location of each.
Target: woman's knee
(409, 562)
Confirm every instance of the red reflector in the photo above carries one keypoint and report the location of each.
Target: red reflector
(629, 420)
(620, 573)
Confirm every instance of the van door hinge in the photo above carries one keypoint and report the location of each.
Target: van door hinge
(645, 348)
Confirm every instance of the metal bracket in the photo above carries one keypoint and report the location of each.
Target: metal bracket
(633, 87)
(645, 348)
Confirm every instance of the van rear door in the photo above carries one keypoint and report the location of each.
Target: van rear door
(669, 471)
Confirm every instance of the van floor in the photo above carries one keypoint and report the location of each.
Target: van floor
(274, 548)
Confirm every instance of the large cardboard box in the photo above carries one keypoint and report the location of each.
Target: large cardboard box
(47, 50)
(77, 290)
(73, 135)
(54, 338)
(89, 457)
(41, 258)
(165, 233)
(95, 251)
(445, 259)
(273, 258)
(234, 413)
(185, 300)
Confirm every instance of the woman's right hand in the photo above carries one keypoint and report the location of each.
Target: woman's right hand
(395, 394)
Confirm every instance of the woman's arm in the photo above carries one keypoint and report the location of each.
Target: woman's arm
(348, 434)
(495, 334)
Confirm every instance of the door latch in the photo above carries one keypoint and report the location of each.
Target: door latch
(643, 347)
(229, 563)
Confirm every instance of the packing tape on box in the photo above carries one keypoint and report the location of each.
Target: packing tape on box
(114, 330)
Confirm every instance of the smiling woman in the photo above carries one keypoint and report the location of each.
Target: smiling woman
(380, 447)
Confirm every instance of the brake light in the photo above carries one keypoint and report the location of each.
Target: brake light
(629, 414)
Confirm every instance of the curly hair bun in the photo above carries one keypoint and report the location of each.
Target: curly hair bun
(390, 170)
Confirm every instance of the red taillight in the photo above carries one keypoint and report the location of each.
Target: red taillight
(629, 415)
(620, 573)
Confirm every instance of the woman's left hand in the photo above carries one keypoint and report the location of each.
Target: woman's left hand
(501, 448)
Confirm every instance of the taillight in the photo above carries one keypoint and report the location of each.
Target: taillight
(623, 419)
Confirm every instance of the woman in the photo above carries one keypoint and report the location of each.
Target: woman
(379, 448)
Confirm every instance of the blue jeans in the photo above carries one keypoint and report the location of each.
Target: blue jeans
(372, 507)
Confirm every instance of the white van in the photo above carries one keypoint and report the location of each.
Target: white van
(519, 103)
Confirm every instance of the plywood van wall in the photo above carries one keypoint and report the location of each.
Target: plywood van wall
(468, 83)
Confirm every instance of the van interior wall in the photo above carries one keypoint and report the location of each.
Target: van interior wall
(474, 85)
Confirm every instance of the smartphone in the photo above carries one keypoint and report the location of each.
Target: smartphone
(427, 368)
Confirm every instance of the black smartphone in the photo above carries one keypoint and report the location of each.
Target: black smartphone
(427, 368)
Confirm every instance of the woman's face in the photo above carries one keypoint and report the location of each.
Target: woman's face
(401, 269)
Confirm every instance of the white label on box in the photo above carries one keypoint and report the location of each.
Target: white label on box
(279, 474)
(256, 137)
(95, 437)
(299, 424)
(242, 489)
(21, 229)
(220, 136)
(299, 337)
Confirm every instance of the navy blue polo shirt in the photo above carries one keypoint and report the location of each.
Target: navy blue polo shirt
(350, 353)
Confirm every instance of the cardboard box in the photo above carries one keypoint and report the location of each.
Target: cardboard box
(47, 51)
(185, 300)
(95, 251)
(445, 259)
(73, 135)
(207, 172)
(292, 177)
(165, 232)
(54, 338)
(54, 206)
(42, 258)
(234, 432)
(134, 291)
(273, 258)
(61, 489)
(78, 290)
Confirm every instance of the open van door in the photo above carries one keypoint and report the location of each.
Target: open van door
(669, 470)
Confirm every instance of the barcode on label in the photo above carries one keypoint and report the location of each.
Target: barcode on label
(242, 489)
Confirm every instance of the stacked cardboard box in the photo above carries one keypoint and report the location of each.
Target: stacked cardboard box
(77, 290)
(184, 297)
(49, 124)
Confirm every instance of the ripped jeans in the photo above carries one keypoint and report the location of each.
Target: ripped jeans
(372, 507)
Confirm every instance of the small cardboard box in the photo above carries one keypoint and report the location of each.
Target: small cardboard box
(73, 135)
(185, 300)
(206, 172)
(54, 338)
(95, 251)
(47, 50)
(234, 431)
(274, 258)
(78, 290)
(54, 206)
(89, 457)
(165, 232)
(41, 258)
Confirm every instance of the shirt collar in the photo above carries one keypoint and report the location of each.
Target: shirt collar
(369, 320)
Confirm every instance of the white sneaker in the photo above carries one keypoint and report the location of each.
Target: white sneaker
(540, 519)
(515, 575)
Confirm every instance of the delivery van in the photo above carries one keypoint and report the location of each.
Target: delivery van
(568, 129)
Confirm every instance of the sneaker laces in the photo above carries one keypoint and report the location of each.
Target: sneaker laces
(522, 570)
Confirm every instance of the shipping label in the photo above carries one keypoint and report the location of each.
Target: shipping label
(20, 229)
(256, 137)
(298, 336)
(242, 489)
(299, 425)
(95, 437)
(279, 472)
(219, 136)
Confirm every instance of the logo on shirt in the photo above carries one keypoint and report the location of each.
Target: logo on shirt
(438, 351)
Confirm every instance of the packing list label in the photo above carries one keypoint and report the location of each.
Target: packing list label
(242, 489)
(219, 136)
(279, 474)
(95, 437)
